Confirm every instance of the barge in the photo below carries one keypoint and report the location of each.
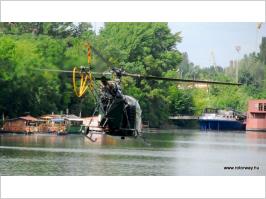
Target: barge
(224, 120)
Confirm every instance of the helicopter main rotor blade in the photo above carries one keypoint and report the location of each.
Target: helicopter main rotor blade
(149, 77)
(70, 71)
(109, 64)
(53, 70)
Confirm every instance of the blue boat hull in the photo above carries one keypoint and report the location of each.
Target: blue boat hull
(221, 125)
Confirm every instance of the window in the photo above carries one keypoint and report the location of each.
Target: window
(259, 116)
(264, 106)
(260, 107)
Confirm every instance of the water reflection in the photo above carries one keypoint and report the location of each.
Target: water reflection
(169, 152)
(255, 135)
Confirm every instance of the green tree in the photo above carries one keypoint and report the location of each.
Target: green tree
(22, 51)
(181, 101)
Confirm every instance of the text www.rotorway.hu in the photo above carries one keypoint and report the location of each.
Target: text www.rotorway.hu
(250, 168)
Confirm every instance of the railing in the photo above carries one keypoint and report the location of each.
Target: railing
(184, 117)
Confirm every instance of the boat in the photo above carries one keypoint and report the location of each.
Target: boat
(73, 124)
(224, 120)
(61, 133)
(20, 125)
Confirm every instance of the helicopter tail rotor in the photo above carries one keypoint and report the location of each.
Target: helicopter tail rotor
(82, 82)
(85, 79)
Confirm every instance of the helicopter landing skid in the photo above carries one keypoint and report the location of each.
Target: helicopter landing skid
(89, 136)
(142, 137)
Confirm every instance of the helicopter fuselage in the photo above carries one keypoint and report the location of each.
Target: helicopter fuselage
(119, 115)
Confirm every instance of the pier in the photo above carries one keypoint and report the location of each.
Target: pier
(185, 121)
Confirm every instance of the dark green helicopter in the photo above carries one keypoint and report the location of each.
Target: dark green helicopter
(118, 114)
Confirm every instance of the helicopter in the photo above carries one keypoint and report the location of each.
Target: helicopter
(118, 114)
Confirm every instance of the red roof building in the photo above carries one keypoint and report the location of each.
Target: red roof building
(256, 115)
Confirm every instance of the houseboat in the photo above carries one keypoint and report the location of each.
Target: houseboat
(73, 124)
(256, 115)
(217, 119)
(52, 124)
(25, 124)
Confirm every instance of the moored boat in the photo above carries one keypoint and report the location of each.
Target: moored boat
(73, 124)
(224, 120)
(23, 125)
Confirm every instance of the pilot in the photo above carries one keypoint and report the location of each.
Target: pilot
(111, 87)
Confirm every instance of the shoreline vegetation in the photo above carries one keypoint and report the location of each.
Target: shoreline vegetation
(145, 48)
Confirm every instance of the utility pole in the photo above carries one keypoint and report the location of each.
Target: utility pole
(258, 27)
(179, 71)
(213, 61)
(2, 122)
(238, 48)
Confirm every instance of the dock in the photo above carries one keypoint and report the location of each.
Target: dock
(185, 121)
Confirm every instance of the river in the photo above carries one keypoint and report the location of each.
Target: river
(165, 153)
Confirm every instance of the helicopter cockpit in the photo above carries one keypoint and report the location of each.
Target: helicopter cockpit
(119, 112)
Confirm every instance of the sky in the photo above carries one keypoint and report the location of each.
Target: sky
(206, 43)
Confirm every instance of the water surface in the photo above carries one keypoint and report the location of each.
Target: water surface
(168, 152)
